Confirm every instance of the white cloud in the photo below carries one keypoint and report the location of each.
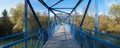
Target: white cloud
(80, 12)
(110, 2)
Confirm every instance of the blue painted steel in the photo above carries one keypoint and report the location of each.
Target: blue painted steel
(117, 37)
(75, 17)
(60, 11)
(38, 22)
(26, 21)
(71, 19)
(62, 8)
(24, 39)
(38, 41)
(52, 26)
(49, 8)
(49, 23)
(13, 35)
(35, 16)
(31, 43)
(56, 3)
(55, 20)
(94, 45)
(96, 16)
(85, 39)
(96, 38)
(85, 13)
(76, 6)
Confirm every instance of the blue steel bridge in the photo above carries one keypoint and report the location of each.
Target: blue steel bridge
(62, 32)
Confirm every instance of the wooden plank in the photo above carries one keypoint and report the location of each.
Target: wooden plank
(62, 39)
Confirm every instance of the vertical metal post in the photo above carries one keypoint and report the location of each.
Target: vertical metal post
(26, 21)
(96, 22)
(75, 17)
(55, 20)
(71, 19)
(31, 43)
(52, 22)
(96, 16)
(74, 22)
(49, 22)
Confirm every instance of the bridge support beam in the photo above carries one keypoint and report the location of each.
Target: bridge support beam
(96, 22)
(96, 16)
(85, 13)
(75, 17)
(26, 21)
(49, 32)
(55, 19)
(45, 34)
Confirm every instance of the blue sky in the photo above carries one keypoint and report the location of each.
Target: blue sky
(7, 4)
(104, 5)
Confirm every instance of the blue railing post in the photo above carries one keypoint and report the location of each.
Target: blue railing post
(71, 19)
(39, 38)
(74, 21)
(96, 22)
(49, 32)
(31, 43)
(52, 26)
(96, 16)
(75, 17)
(55, 19)
(26, 21)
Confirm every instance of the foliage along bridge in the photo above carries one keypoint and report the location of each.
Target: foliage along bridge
(62, 33)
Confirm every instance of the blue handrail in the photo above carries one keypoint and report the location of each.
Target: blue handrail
(118, 37)
(9, 45)
(96, 38)
(1, 38)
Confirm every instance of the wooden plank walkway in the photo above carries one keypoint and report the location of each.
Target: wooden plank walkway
(62, 39)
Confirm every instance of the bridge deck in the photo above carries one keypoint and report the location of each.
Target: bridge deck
(62, 39)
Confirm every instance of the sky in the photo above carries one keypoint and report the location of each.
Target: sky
(7, 4)
(103, 5)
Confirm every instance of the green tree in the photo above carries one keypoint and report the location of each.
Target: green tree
(89, 22)
(103, 23)
(17, 14)
(5, 25)
(5, 16)
(18, 18)
(115, 11)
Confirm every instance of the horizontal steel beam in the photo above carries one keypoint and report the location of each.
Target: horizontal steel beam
(56, 3)
(60, 11)
(62, 8)
(49, 8)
